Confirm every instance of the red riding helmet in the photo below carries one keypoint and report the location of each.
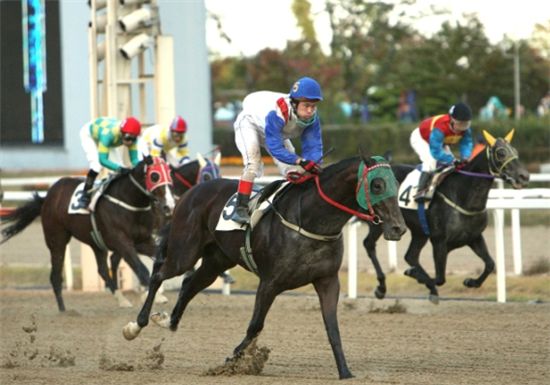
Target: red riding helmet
(178, 125)
(130, 126)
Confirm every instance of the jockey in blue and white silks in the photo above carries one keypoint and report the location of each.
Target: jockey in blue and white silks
(270, 120)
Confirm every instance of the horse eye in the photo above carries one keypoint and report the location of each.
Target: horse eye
(155, 177)
(500, 154)
(207, 177)
(378, 186)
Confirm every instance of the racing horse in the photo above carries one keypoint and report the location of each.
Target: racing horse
(125, 216)
(456, 216)
(185, 177)
(200, 170)
(298, 241)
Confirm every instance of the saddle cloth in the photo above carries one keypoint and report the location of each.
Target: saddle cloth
(99, 188)
(409, 187)
(258, 209)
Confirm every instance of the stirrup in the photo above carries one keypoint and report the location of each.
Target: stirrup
(241, 215)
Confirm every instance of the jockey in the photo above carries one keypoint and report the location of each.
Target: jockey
(171, 141)
(98, 137)
(270, 119)
(432, 138)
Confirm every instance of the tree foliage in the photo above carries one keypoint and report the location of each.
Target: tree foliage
(376, 56)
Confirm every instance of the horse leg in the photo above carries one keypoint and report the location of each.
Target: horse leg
(369, 243)
(57, 243)
(193, 284)
(440, 253)
(265, 295)
(148, 249)
(115, 262)
(328, 289)
(479, 247)
(416, 271)
(110, 282)
(162, 269)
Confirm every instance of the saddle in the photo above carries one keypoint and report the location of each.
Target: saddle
(409, 186)
(98, 190)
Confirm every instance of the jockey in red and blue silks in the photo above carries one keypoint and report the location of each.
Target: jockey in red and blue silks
(432, 138)
(270, 120)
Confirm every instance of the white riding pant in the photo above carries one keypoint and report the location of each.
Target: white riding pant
(90, 148)
(422, 148)
(249, 139)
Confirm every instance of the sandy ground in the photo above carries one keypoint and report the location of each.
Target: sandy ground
(29, 248)
(457, 342)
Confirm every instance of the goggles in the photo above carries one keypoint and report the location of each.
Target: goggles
(129, 138)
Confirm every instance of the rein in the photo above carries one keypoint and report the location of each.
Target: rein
(371, 217)
(182, 179)
(125, 205)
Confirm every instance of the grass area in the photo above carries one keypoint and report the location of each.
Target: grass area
(518, 288)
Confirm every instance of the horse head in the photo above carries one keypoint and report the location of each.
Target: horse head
(377, 193)
(208, 169)
(504, 161)
(158, 183)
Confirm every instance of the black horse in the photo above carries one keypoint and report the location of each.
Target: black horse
(125, 217)
(297, 242)
(200, 170)
(456, 216)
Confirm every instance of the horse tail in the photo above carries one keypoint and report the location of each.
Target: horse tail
(21, 217)
(162, 244)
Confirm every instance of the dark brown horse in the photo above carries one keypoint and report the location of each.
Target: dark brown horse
(185, 177)
(297, 242)
(125, 217)
(457, 215)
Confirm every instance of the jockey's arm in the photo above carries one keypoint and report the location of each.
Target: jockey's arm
(133, 152)
(436, 147)
(312, 142)
(274, 139)
(466, 145)
(103, 153)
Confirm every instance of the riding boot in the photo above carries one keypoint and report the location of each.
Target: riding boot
(86, 196)
(423, 186)
(240, 215)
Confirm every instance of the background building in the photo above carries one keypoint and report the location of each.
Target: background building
(67, 97)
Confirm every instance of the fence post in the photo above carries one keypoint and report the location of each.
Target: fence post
(352, 259)
(516, 242)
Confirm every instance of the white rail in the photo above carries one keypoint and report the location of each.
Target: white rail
(499, 200)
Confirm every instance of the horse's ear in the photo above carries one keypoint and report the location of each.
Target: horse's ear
(388, 155)
(218, 159)
(510, 135)
(364, 154)
(148, 159)
(489, 138)
(202, 161)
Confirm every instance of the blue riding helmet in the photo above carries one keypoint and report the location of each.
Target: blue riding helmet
(306, 88)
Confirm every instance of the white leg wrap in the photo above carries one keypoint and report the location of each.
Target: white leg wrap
(131, 330)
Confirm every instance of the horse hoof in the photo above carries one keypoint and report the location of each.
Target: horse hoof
(379, 293)
(161, 319)
(131, 330)
(469, 282)
(409, 272)
(434, 298)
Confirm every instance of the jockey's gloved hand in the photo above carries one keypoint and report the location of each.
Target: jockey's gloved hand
(459, 163)
(124, 170)
(311, 166)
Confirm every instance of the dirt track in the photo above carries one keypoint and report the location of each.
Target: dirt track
(457, 342)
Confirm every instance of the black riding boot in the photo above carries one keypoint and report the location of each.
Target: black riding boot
(241, 211)
(86, 196)
(423, 186)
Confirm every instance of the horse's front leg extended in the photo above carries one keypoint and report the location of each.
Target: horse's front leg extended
(370, 245)
(440, 253)
(265, 295)
(479, 247)
(328, 289)
(203, 277)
